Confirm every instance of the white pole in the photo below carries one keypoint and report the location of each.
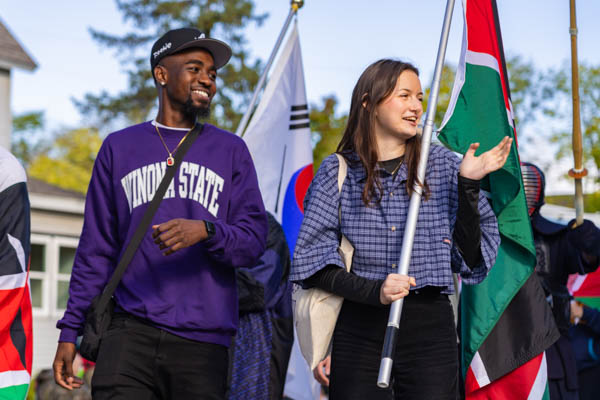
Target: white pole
(296, 5)
(391, 333)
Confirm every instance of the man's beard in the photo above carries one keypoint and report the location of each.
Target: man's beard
(195, 112)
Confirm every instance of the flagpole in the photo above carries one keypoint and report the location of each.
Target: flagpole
(578, 172)
(391, 333)
(295, 6)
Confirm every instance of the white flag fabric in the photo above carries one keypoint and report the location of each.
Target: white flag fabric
(278, 138)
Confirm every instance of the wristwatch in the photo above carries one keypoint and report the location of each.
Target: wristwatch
(210, 228)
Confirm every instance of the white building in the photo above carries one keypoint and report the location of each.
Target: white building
(56, 222)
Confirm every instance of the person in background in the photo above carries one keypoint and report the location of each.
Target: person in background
(561, 250)
(584, 335)
(260, 352)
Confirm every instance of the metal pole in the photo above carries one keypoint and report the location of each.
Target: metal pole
(296, 5)
(391, 333)
(578, 172)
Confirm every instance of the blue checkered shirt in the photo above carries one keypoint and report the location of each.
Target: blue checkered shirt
(376, 232)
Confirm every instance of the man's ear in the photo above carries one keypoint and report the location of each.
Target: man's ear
(160, 74)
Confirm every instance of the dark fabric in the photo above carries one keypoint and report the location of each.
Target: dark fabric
(251, 293)
(557, 257)
(251, 357)
(589, 383)
(426, 359)
(138, 361)
(392, 166)
(467, 230)
(585, 339)
(527, 312)
(282, 342)
(559, 253)
(352, 287)
(263, 344)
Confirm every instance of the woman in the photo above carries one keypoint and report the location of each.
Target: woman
(456, 231)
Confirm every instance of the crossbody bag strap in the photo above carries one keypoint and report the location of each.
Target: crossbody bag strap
(137, 237)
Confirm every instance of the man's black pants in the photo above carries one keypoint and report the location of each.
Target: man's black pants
(139, 361)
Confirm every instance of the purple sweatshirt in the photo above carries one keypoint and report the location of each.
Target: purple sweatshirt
(191, 293)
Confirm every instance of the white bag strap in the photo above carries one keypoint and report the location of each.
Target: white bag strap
(342, 172)
(346, 248)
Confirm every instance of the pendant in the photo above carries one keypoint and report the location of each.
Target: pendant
(170, 161)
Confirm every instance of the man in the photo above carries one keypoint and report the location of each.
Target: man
(175, 315)
(561, 250)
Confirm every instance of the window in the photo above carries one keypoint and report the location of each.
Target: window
(50, 270)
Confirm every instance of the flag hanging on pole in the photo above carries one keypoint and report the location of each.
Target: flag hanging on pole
(506, 324)
(278, 138)
(16, 347)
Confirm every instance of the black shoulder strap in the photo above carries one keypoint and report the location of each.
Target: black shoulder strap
(137, 237)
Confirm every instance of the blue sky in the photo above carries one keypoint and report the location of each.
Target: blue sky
(339, 39)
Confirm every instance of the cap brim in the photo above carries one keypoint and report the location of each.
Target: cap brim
(220, 51)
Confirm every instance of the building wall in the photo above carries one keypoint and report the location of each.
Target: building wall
(54, 238)
(5, 112)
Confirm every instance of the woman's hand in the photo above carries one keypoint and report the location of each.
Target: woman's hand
(492, 160)
(395, 287)
(322, 371)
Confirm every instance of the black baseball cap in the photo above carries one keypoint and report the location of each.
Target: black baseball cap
(184, 38)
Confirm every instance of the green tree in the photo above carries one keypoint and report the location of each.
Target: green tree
(327, 128)
(557, 98)
(446, 83)
(150, 19)
(68, 162)
(25, 141)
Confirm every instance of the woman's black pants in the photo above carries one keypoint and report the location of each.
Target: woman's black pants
(426, 357)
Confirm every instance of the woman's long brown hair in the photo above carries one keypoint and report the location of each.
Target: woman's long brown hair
(375, 84)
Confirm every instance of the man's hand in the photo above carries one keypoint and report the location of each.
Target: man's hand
(178, 234)
(395, 287)
(63, 366)
(321, 371)
(476, 168)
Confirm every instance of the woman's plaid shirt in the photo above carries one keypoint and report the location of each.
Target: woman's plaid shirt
(376, 232)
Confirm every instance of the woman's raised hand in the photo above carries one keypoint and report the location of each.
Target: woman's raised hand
(476, 168)
(395, 287)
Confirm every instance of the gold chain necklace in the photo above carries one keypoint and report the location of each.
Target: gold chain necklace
(170, 159)
(398, 166)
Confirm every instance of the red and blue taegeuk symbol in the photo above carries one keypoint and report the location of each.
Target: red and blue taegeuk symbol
(293, 208)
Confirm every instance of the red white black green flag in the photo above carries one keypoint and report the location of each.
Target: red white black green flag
(15, 299)
(506, 323)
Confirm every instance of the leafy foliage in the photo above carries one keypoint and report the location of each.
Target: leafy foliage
(69, 161)
(150, 19)
(25, 129)
(327, 128)
(557, 105)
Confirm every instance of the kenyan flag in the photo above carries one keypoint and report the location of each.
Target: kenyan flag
(586, 288)
(15, 300)
(505, 322)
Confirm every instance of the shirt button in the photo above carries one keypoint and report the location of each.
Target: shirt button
(393, 228)
(392, 194)
(393, 265)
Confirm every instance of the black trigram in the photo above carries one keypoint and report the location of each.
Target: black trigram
(299, 117)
